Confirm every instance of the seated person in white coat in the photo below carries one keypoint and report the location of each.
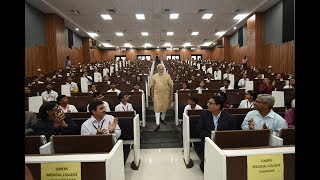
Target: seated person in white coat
(123, 105)
(192, 104)
(97, 96)
(64, 105)
(248, 102)
(100, 122)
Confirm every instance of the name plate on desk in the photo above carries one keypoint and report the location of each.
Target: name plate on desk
(61, 171)
(265, 167)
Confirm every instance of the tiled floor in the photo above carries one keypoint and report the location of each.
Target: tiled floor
(163, 164)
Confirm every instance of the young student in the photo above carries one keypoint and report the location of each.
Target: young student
(124, 105)
(192, 104)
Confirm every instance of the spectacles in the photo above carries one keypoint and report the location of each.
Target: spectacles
(211, 103)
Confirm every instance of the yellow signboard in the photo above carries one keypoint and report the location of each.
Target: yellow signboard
(61, 171)
(265, 167)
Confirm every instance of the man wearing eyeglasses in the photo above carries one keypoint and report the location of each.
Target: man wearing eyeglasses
(263, 117)
(213, 119)
(100, 122)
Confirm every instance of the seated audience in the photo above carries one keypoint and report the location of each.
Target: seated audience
(226, 85)
(291, 85)
(73, 85)
(290, 117)
(97, 96)
(49, 94)
(100, 122)
(64, 105)
(53, 121)
(242, 82)
(192, 104)
(185, 86)
(124, 105)
(264, 117)
(201, 87)
(30, 119)
(266, 87)
(248, 102)
(113, 86)
(93, 89)
(136, 88)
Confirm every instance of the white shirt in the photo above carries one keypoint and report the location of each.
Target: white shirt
(246, 104)
(242, 83)
(122, 107)
(51, 96)
(116, 90)
(69, 109)
(199, 89)
(223, 89)
(90, 126)
(106, 105)
(140, 90)
(288, 87)
(188, 107)
(73, 87)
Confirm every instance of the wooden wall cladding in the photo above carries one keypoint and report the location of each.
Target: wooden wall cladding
(237, 53)
(217, 53)
(280, 57)
(34, 59)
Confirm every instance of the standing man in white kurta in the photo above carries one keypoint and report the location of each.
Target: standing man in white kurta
(161, 93)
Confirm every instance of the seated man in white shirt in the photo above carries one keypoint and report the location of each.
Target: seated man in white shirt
(192, 104)
(264, 117)
(291, 84)
(49, 94)
(113, 86)
(226, 85)
(136, 88)
(64, 105)
(97, 96)
(242, 81)
(100, 122)
(73, 85)
(123, 105)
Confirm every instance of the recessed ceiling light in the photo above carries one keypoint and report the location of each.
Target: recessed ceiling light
(194, 33)
(207, 16)
(140, 16)
(127, 45)
(106, 16)
(77, 29)
(170, 33)
(206, 44)
(93, 34)
(234, 27)
(174, 16)
(220, 33)
(167, 44)
(240, 16)
(147, 44)
(106, 45)
(144, 33)
(119, 33)
(187, 44)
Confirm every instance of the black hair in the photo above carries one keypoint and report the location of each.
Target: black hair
(95, 94)
(46, 106)
(94, 105)
(194, 99)
(121, 95)
(219, 100)
(253, 94)
(60, 97)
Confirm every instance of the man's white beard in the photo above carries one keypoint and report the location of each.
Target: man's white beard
(161, 73)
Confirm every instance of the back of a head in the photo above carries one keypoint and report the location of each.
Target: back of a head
(95, 94)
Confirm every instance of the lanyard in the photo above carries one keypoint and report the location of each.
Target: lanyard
(98, 125)
(124, 109)
(248, 105)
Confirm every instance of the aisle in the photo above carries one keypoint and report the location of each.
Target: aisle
(163, 164)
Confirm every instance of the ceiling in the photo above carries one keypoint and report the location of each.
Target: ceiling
(156, 22)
